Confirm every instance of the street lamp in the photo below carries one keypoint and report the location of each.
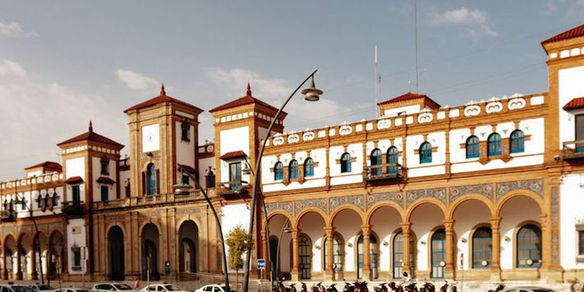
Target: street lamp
(22, 201)
(185, 189)
(311, 94)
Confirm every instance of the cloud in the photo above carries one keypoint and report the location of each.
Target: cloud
(301, 114)
(40, 114)
(569, 7)
(134, 80)
(475, 22)
(11, 69)
(13, 29)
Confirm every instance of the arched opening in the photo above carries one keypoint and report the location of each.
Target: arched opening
(347, 223)
(311, 228)
(25, 267)
(293, 169)
(517, 142)
(278, 171)
(304, 256)
(150, 179)
(520, 248)
(40, 251)
(188, 247)
(346, 163)
(10, 258)
(438, 254)
(494, 145)
(280, 229)
(475, 252)
(472, 147)
(150, 244)
(115, 239)
(425, 153)
(398, 249)
(376, 162)
(384, 221)
(56, 259)
(482, 248)
(308, 167)
(425, 218)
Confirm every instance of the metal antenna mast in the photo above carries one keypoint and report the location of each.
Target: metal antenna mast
(416, 41)
(377, 83)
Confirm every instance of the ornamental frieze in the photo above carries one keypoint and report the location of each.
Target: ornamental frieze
(285, 206)
(555, 222)
(116, 217)
(188, 211)
(436, 193)
(485, 190)
(316, 203)
(347, 200)
(396, 197)
(535, 185)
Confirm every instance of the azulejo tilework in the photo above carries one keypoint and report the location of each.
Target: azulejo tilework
(535, 185)
(437, 193)
(347, 200)
(285, 206)
(485, 190)
(555, 224)
(303, 204)
(396, 197)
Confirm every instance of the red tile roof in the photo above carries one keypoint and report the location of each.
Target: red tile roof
(105, 180)
(74, 179)
(162, 98)
(247, 99)
(234, 154)
(575, 103)
(47, 165)
(575, 32)
(92, 136)
(408, 96)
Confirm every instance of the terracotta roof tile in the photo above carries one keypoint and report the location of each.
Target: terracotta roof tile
(575, 103)
(408, 96)
(575, 32)
(74, 179)
(232, 155)
(48, 165)
(90, 135)
(247, 99)
(105, 180)
(162, 98)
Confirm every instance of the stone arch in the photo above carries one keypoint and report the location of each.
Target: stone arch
(116, 250)
(519, 193)
(379, 205)
(397, 264)
(299, 216)
(9, 252)
(423, 201)
(56, 254)
(188, 240)
(150, 251)
(277, 221)
(312, 224)
(384, 219)
(280, 212)
(345, 207)
(468, 197)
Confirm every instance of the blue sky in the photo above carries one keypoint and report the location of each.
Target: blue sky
(65, 62)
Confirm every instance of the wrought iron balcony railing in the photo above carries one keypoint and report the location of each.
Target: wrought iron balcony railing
(233, 189)
(573, 150)
(72, 208)
(387, 171)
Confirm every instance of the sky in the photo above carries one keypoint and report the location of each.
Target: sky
(63, 63)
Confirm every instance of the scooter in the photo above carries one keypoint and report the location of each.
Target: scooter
(348, 287)
(499, 287)
(332, 288)
(427, 287)
(318, 287)
(303, 287)
(361, 286)
(283, 288)
(380, 288)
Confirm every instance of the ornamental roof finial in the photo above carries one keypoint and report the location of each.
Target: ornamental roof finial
(90, 126)
(162, 91)
(248, 93)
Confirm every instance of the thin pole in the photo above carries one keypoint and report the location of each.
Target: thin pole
(255, 184)
(416, 41)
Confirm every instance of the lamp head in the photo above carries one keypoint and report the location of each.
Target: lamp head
(246, 169)
(312, 93)
(182, 189)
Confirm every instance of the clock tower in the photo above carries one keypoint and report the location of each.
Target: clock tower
(163, 134)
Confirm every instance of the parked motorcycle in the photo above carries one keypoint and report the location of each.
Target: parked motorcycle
(380, 288)
(318, 287)
(332, 288)
(348, 287)
(361, 286)
(283, 288)
(303, 287)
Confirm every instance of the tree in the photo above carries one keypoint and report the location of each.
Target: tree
(238, 242)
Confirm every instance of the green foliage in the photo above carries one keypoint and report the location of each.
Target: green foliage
(238, 242)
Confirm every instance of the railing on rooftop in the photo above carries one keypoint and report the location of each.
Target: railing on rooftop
(573, 150)
(387, 171)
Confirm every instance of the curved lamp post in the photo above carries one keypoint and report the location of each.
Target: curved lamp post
(22, 201)
(185, 189)
(311, 94)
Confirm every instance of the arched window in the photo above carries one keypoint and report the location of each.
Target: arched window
(278, 171)
(308, 167)
(305, 256)
(494, 145)
(376, 162)
(438, 248)
(150, 179)
(346, 163)
(517, 142)
(293, 169)
(529, 247)
(338, 254)
(392, 160)
(425, 153)
(398, 255)
(482, 248)
(472, 147)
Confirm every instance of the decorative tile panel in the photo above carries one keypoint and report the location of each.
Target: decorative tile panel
(535, 185)
(396, 197)
(317, 203)
(485, 190)
(437, 193)
(115, 217)
(286, 206)
(555, 224)
(347, 200)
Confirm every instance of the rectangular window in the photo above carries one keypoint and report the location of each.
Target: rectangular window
(210, 180)
(235, 176)
(185, 179)
(104, 193)
(158, 181)
(128, 190)
(579, 132)
(104, 166)
(185, 132)
(581, 243)
(76, 258)
(75, 195)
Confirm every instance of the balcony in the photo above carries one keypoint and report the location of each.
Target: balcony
(73, 208)
(388, 171)
(573, 150)
(233, 190)
(7, 216)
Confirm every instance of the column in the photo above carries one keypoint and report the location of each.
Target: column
(406, 229)
(264, 252)
(545, 242)
(496, 250)
(329, 269)
(34, 273)
(3, 257)
(366, 229)
(450, 267)
(295, 263)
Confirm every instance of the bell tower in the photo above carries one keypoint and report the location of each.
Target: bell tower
(163, 134)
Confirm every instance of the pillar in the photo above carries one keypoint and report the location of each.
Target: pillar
(3, 256)
(496, 250)
(19, 273)
(34, 273)
(295, 263)
(545, 242)
(329, 269)
(450, 267)
(366, 229)
(406, 229)
(264, 253)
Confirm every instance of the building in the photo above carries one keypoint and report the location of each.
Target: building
(489, 189)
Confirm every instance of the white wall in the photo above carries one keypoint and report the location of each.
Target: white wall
(77, 238)
(124, 180)
(410, 109)
(571, 202)
(425, 218)
(467, 216)
(515, 212)
(112, 193)
(313, 226)
(185, 150)
(232, 216)
(236, 139)
(570, 86)
(348, 224)
(384, 222)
